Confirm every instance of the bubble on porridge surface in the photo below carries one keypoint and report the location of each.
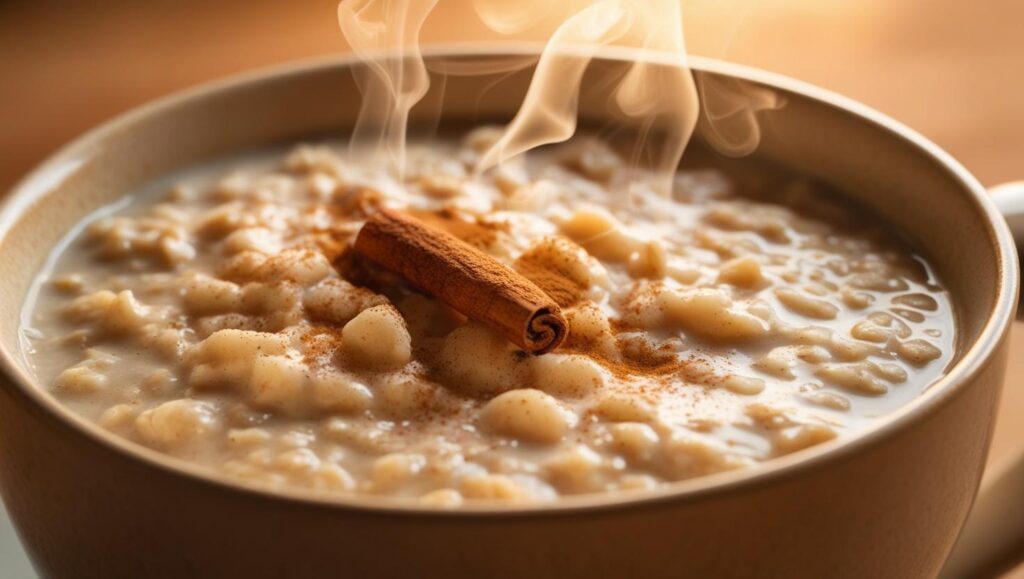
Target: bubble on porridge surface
(919, 301)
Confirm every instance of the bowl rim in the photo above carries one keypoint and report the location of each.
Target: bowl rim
(62, 163)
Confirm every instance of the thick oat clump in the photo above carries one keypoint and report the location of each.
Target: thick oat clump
(749, 316)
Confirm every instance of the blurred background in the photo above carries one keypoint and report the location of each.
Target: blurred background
(951, 69)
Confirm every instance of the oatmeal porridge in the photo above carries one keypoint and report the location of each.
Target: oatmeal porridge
(224, 318)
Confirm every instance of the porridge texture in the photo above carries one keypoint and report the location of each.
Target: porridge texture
(219, 318)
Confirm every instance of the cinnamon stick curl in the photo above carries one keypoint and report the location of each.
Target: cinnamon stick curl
(465, 278)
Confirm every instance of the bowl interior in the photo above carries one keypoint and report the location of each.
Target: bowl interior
(904, 179)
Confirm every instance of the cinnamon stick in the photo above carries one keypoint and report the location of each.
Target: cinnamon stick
(465, 278)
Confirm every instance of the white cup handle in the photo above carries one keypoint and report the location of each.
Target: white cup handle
(992, 541)
(1009, 198)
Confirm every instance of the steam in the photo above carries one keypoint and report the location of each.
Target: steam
(548, 113)
(514, 17)
(378, 30)
(657, 94)
(730, 113)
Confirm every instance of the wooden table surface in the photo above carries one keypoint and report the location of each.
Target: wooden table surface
(953, 70)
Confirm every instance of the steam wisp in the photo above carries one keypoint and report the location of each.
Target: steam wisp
(656, 94)
(385, 35)
(730, 113)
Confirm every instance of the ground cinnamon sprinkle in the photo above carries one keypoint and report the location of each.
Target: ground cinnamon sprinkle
(474, 231)
(320, 343)
(650, 364)
(547, 276)
(355, 201)
(332, 244)
(639, 357)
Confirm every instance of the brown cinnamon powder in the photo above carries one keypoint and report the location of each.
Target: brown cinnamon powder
(473, 230)
(563, 290)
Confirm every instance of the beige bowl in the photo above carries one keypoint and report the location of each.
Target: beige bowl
(888, 502)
